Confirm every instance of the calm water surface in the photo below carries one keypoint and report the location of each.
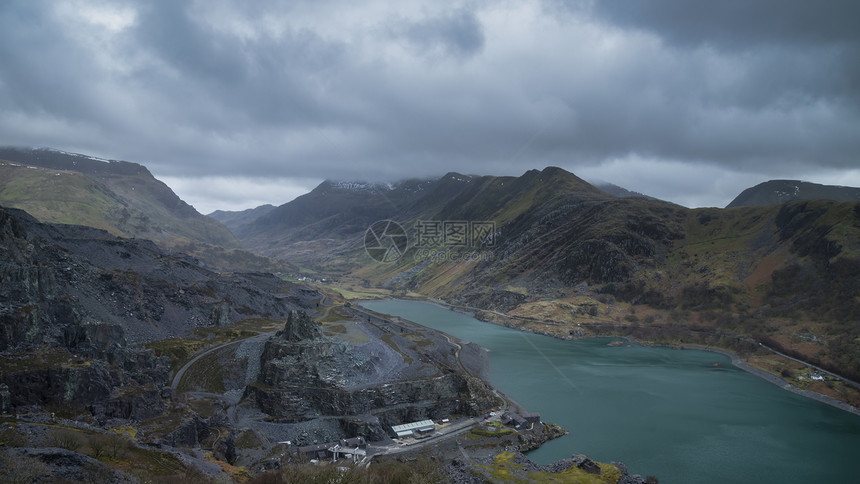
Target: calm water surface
(685, 416)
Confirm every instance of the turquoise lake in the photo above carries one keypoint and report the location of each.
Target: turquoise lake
(685, 416)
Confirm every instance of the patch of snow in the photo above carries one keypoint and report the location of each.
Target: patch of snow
(78, 155)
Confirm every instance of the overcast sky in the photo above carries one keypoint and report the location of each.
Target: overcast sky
(238, 103)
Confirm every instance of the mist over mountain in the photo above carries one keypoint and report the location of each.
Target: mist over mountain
(617, 191)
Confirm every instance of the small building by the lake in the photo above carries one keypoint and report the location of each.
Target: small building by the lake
(531, 417)
(355, 446)
(511, 419)
(414, 429)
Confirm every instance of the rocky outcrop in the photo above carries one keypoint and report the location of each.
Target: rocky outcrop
(190, 433)
(394, 402)
(305, 375)
(299, 326)
(538, 435)
(56, 465)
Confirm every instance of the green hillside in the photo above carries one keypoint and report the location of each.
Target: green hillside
(63, 197)
(120, 197)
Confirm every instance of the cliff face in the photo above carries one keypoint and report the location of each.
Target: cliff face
(57, 277)
(305, 375)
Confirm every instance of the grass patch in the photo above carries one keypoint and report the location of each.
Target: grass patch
(205, 374)
(504, 469)
(335, 315)
(180, 350)
(494, 432)
(348, 332)
(158, 427)
(44, 358)
(177, 350)
(389, 340)
(115, 449)
(248, 440)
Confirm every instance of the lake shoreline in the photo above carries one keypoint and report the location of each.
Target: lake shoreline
(739, 363)
(683, 415)
(735, 358)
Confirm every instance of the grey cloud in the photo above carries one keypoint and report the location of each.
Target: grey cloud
(337, 90)
(44, 70)
(457, 33)
(795, 47)
(263, 80)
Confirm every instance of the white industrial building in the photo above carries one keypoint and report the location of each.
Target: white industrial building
(410, 429)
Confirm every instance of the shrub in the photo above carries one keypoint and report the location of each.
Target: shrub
(66, 439)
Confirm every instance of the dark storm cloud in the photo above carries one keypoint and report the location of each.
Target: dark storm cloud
(312, 90)
(739, 24)
(796, 47)
(257, 80)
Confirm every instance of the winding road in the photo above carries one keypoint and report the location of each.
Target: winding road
(177, 378)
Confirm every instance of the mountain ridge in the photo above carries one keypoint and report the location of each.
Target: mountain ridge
(120, 197)
(780, 191)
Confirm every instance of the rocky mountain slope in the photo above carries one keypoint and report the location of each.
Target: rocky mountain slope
(775, 192)
(77, 300)
(236, 221)
(94, 327)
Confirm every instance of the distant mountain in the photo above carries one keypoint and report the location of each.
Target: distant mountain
(617, 191)
(236, 220)
(780, 191)
(335, 215)
(332, 212)
(117, 196)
